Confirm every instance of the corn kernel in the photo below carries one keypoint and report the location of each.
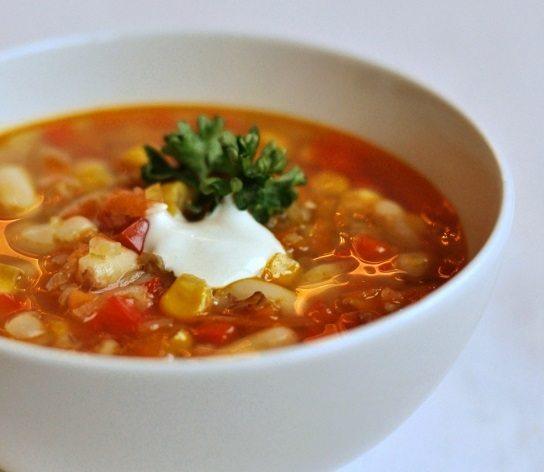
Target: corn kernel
(281, 269)
(10, 277)
(188, 296)
(154, 193)
(62, 335)
(108, 347)
(77, 297)
(175, 195)
(93, 175)
(361, 200)
(330, 183)
(134, 157)
(181, 341)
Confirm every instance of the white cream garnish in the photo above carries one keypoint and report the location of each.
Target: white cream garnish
(225, 246)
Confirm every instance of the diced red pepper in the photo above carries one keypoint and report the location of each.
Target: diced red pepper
(9, 304)
(370, 249)
(133, 237)
(118, 316)
(215, 332)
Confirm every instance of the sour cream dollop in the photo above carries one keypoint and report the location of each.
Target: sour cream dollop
(227, 245)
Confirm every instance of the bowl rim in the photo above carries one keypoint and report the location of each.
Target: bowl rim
(299, 352)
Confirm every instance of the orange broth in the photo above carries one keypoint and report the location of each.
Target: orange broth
(377, 235)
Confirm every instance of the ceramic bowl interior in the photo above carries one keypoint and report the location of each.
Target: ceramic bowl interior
(383, 108)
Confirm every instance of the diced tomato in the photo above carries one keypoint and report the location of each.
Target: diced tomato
(133, 237)
(327, 330)
(215, 332)
(370, 249)
(87, 206)
(320, 314)
(413, 294)
(122, 208)
(348, 320)
(155, 287)
(127, 202)
(118, 316)
(9, 304)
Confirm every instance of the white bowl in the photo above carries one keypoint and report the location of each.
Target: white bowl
(301, 408)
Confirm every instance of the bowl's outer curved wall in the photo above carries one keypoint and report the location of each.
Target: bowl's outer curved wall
(310, 415)
(296, 412)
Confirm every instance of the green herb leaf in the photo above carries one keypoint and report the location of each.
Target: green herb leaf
(217, 163)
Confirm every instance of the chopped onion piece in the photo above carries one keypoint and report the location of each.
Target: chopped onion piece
(106, 263)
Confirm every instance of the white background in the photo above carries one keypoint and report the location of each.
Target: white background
(488, 58)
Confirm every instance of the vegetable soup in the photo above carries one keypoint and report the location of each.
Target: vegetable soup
(185, 231)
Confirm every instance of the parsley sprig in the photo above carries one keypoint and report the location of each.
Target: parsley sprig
(215, 163)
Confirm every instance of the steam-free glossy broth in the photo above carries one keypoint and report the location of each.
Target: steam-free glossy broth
(366, 236)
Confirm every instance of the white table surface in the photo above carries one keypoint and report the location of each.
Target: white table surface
(488, 58)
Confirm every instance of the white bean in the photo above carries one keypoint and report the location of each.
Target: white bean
(323, 272)
(415, 264)
(281, 296)
(73, 228)
(388, 209)
(38, 239)
(395, 222)
(266, 339)
(17, 192)
(359, 200)
(25, 325)
(29, 270)
(30, 238)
